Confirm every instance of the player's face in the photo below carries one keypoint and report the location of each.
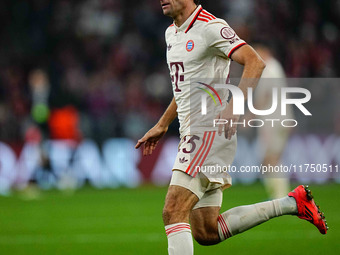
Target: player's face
(173, 7)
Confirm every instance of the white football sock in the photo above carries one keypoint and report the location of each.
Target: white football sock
(179, 239)
(242, 218)
(288, 205)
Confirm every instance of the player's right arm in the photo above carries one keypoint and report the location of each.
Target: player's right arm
(152, 137)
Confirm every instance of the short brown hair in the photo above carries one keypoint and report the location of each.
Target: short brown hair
(197, 2)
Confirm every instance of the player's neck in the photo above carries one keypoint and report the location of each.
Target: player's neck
(182, 16)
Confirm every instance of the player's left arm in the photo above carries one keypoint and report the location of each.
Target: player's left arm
(253, 65)
(253, 68)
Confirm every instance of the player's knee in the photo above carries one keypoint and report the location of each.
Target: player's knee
(173, 214)
(166, 215)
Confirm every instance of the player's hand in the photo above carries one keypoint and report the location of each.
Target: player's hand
(151, 139)
(228, 116)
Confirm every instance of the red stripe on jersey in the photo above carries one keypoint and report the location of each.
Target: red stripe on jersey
(171, 25)
(206, 153)
(209, 14)
(193, 21)
(197, 154)
(235, 48)
(205, 16)
(205, 20)
(193, 171)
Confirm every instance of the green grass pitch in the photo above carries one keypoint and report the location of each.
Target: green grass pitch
(126, 222)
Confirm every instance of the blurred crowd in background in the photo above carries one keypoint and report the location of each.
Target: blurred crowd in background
(97, 68)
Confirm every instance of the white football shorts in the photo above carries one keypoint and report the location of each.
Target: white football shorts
(201, 163)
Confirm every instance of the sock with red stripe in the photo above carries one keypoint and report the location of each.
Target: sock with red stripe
(242, 218)
(179, 239)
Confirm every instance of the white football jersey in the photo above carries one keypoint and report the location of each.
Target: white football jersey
(199, 54)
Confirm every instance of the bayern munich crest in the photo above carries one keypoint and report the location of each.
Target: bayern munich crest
(190, 45)
(227, 33)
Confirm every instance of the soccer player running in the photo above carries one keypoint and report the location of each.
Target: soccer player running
(201, 45)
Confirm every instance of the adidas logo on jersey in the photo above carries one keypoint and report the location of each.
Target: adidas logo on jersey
(183, 160)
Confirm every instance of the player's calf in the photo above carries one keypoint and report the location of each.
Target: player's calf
(206, 238)
(204, 225)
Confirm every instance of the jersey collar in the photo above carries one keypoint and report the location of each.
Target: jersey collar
(188, 24)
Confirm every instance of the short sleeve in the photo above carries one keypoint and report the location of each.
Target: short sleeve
(221, 36)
